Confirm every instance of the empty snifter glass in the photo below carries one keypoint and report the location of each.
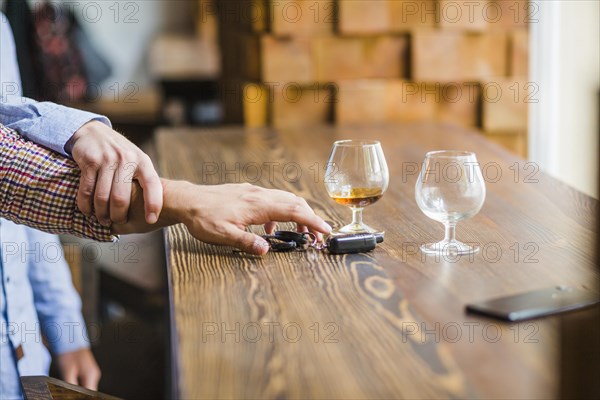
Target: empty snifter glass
(450, 188)
(356, 176)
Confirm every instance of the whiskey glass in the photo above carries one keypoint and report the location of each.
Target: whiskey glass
(356, 176)
(450, 188)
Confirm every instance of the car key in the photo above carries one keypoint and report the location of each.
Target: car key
(358, 243)
(278, 244)
(345, 244)
(300, 238)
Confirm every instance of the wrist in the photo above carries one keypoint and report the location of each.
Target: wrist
(175, 209)
(79, 133)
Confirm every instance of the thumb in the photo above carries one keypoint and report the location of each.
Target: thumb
(248, 242)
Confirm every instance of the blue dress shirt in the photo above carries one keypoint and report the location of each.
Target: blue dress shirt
(36, 291)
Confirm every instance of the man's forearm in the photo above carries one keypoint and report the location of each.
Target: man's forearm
(219, 214)
(38, 188)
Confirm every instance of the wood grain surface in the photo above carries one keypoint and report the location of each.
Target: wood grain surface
(387, 324)
(46, 388)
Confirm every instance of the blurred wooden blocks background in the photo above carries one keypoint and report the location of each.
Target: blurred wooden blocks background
(207, 24)
(484, 15)
(439, 56)
(519, 53)
(386, 56)
(179, 57)
(288, 106)
(505, 103)
(339, 58)
(411, 101)
(322, 59)
(360, 102)
(512, 14)
(409, 15)
(460, 104)
(367, 17)
(301, 18)
(381, 61)
(342, 58)
(469, 16)
(364, 17)
(301, 107)
(379, 101)
(285, 60)
(256, 105)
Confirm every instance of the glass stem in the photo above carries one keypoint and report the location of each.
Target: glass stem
(357, 216)
(450, 235)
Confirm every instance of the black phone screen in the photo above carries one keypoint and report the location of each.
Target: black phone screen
(535, 304)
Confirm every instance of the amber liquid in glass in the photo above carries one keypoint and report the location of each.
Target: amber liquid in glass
(358, 197)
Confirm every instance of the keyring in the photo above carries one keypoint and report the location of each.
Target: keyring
(313, 237)
(315, 242)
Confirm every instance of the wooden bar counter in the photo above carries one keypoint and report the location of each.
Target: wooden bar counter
(386, 324)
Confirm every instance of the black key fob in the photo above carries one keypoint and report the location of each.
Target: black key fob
(358, 243)
(277, 243)
(289, 236)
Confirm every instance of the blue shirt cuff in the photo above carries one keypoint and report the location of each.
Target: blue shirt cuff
(53, 130)
(48, 124)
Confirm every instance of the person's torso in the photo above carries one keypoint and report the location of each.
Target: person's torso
(10, 79)
(19, 324)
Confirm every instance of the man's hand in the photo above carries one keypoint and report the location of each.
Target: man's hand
(219, 214)
(109, 162)
(79, 368)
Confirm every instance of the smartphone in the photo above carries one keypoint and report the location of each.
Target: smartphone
(535, 304)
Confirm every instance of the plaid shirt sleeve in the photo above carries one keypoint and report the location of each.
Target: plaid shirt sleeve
(38, 188)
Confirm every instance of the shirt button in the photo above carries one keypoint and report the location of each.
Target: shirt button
(8, 279)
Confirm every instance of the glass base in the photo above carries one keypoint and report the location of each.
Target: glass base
(355, 228)
(451, 248)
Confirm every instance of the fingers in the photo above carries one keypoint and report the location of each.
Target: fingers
(102, 195)
(89, 378)
(69, 375)
(152, 190)
(270, 227)
(304, 229)
(96, 144)
(79, 368)
(87, 183)
(223, 211)
(112, 197)
(278, 205)
(120, 198)
(248, 242)
(295, 209)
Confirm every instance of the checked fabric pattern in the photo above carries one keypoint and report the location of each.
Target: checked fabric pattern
(38, 188)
